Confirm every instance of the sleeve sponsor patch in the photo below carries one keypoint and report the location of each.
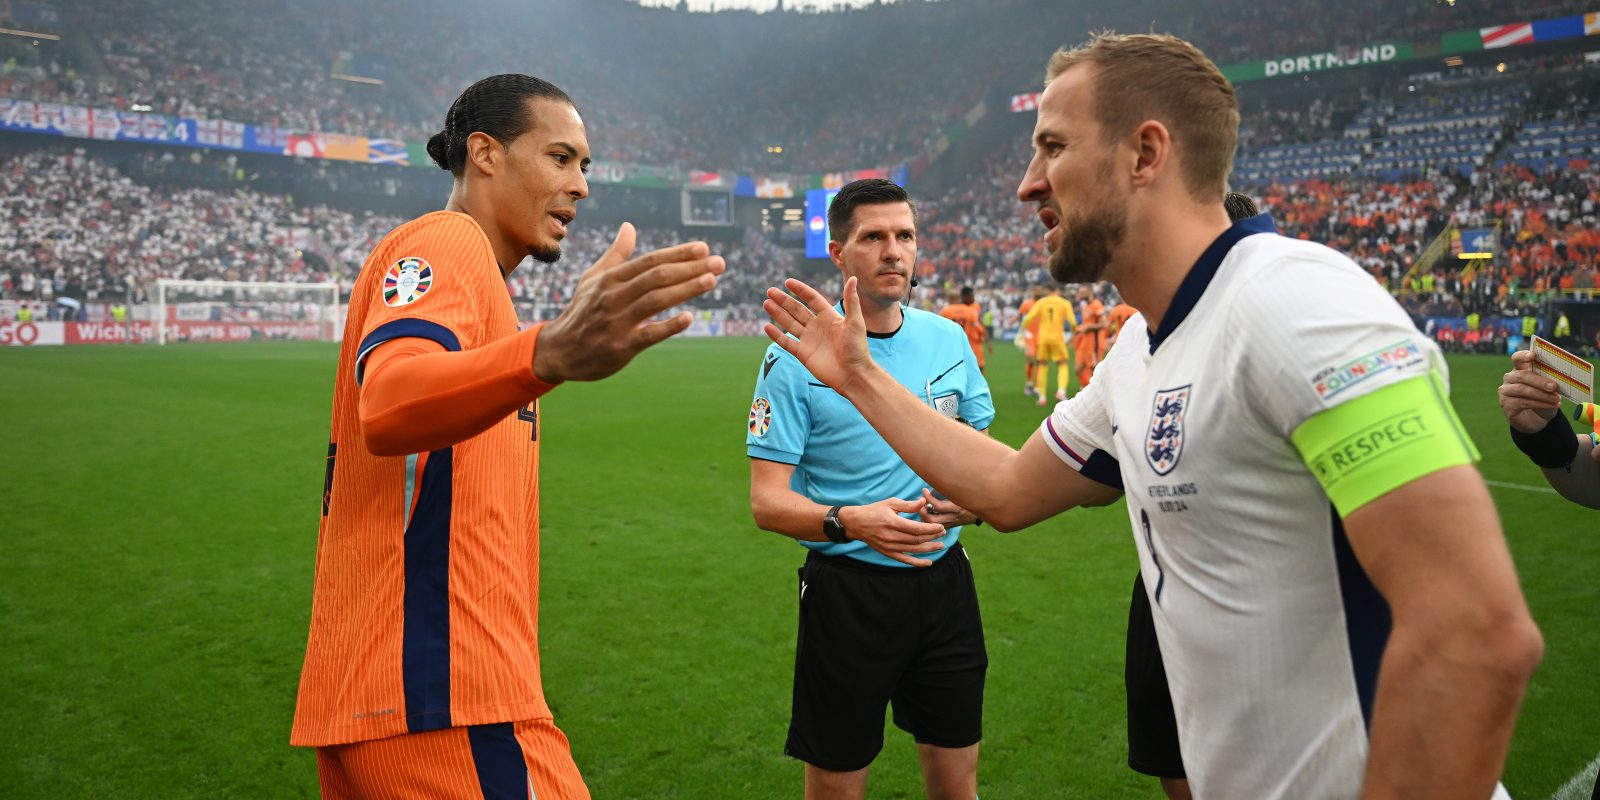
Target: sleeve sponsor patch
(407, 281)
(1380, 441)
(1330, 382)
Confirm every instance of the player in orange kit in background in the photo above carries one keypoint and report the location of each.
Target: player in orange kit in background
(1088, 341)
(421, 676)
(1119, 316)
(965, 311)
(1028, 337)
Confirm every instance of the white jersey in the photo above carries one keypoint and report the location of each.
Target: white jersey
(1270, 631)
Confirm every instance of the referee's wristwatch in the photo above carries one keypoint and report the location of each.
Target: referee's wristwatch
(833, 528)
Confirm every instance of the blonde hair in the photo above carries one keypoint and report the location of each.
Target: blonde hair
(1155, 76)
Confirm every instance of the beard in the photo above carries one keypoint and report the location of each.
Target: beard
(545, 255)
(1087, 243)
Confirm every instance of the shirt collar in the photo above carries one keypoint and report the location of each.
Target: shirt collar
(839, 307)
(1194, 284)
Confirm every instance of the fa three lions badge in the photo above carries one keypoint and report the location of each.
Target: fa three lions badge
(1163, 442)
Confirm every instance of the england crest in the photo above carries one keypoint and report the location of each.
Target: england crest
(407, 281)
(1163, 443)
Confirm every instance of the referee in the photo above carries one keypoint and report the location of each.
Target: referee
(888, 609)
(1571, 463)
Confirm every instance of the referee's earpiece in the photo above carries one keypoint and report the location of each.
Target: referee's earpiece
(913, 281)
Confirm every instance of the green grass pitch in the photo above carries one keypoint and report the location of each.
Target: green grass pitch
(159, 525)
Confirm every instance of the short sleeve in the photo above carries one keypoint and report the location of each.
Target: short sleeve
(1314, 331)
(780, 413)
(977, 404)
(427, 281)
(1078, 429)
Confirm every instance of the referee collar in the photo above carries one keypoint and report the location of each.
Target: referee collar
(1194, 284)
(839, 307)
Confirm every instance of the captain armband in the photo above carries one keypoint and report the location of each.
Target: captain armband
(1373, 444)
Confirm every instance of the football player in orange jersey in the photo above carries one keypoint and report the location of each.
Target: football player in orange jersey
(421, 676)
(1091, 330)
(963, 309)
(1028, 338)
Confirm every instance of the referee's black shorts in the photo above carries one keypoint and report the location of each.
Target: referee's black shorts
(1152, 727)
(872, 635)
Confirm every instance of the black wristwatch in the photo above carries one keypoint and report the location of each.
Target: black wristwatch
(833, 528)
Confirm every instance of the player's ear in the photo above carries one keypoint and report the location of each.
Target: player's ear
(834, 249)
(1152, 144)
(483, 152)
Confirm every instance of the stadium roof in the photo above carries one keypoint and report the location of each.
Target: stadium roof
(766, 5)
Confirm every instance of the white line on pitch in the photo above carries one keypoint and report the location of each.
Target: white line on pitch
(1579, 787)
(1523, 486)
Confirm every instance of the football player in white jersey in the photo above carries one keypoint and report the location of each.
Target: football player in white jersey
(1335, 602)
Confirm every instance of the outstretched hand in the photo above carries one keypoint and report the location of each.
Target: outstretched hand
(606, 324)
(832, 347)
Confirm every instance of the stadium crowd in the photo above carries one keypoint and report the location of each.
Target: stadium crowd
(80, 228)
(274, 64)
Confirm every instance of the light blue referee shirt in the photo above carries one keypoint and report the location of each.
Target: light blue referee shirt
(838, 458)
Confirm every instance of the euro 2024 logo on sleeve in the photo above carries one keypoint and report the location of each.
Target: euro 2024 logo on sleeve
(760, 417)
(407, 281)
(1163, 443)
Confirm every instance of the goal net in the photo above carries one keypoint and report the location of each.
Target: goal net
(236, 311)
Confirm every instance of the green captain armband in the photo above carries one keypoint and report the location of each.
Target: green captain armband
(1363, 448)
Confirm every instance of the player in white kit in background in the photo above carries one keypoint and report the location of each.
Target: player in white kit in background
(1301, 492)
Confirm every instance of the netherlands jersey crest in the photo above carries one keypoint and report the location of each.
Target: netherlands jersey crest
(407, 281)
(760, 417)
(1163, 443)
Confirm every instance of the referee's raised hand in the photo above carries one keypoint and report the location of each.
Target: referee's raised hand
(607, 322)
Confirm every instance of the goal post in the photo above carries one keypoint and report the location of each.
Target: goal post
(182, 310)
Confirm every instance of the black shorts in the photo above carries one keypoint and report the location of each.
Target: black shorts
(872, 635)
(1152, 727)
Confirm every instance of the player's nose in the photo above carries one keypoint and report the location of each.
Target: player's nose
(1034, 187)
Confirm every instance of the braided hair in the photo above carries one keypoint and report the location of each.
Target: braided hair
(497, 106)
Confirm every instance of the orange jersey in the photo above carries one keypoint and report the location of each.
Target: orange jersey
(1120, 314)
(1029, 324)
(425, 601)
(1053, 315)
(968, 317)
(1094, 313)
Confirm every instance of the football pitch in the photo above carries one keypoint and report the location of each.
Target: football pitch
(160, 519)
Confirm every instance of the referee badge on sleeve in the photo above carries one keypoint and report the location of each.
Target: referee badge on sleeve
(760, 417)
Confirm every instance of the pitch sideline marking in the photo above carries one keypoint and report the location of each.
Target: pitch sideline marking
(1523, 486)
(1579, 787)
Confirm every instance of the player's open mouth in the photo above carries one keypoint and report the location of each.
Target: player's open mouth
(563, 218)
(1049, 219)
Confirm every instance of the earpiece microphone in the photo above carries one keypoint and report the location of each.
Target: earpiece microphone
(913, 281)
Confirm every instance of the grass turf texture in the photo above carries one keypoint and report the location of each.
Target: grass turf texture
(160, 525)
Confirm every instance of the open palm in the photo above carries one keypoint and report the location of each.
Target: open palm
(832, 347)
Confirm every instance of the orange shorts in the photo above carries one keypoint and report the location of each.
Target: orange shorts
(529, 759)
(1030, 344)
